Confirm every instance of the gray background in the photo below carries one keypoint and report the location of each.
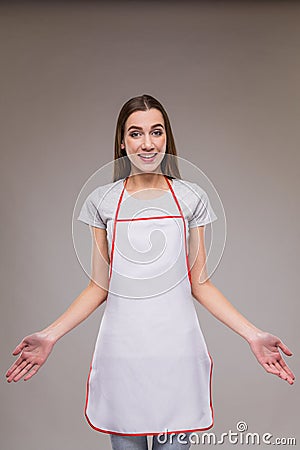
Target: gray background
(228, 75)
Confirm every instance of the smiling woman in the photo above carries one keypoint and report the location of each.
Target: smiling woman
(146, 145)
(151, 371)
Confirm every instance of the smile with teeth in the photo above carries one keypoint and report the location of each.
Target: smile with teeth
(148, 156)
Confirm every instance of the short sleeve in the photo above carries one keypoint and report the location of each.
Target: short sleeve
(202, 213)
(90, 212)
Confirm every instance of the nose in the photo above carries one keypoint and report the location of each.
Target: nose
(147, 144)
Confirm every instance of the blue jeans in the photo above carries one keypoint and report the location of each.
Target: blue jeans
(162, 442)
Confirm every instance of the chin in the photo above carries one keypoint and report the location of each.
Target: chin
(149, 169)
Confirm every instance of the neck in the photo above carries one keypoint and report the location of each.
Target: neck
(138, 181)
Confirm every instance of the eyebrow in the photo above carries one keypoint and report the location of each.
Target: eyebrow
(140, 128)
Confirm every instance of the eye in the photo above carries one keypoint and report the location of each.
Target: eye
(134, 133)
(159, 132)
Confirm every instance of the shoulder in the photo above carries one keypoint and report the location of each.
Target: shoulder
(189, 189)
(197, 202)
(105, 192)
(98, 205)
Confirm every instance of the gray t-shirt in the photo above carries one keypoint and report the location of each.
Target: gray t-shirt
(99, 208)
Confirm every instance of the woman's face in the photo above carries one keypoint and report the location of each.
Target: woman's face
(145, 140)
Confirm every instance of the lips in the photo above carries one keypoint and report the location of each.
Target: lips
(149, 157)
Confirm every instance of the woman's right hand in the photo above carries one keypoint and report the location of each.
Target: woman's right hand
(35, 350)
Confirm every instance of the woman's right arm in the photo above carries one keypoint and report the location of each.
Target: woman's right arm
(36, 347)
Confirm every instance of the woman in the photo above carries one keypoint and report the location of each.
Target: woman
(151, 370)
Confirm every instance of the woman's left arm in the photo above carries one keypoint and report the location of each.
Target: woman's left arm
(264, 345)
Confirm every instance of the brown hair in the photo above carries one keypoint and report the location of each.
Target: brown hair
(122, 164)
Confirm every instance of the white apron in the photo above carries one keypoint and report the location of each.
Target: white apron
(151, 370)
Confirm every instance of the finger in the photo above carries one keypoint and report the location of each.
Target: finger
(286, 368)
(15, 365)
(276, 369)
(15, 373)
(17, 370)
(33, 371)
(19, 348)
(270, 368)
(23, 372)
(282, 372)
(286, 377)
(284, 348)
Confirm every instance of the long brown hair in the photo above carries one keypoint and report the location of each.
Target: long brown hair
(122, 164)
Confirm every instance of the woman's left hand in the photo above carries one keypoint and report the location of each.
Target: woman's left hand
(265, 347)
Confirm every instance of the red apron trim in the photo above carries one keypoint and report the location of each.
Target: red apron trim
(148, 218)
(114, 230)
(184, 224)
